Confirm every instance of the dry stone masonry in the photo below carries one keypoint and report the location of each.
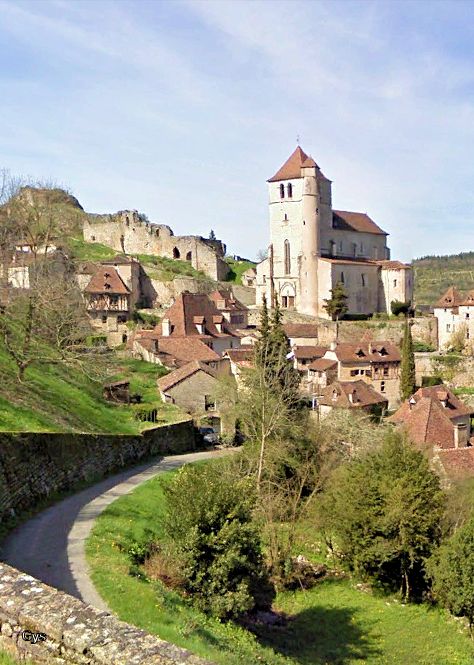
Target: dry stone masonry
(51, 627)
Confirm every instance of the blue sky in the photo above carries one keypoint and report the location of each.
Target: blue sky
(183, 109)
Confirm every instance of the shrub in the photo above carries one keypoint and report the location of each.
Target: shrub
(423, 347)
(399, 307)
(210, 529)
(427, 381)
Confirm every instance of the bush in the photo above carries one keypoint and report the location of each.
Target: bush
(399, 307)
(423, 347)
(209, 526)
(427, 381)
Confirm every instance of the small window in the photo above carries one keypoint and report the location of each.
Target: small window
(342, 278)
(290, 190)
(448, 327)
(354, 249)
(286, 218)
(394, 283)
(363, 279)
(93, 238)
(282, 191)
(104, 318)
(382, 386)
(467, 334)
(287, 257)
(385, 371)
(467, 315)
(209, 403)
(354, 372)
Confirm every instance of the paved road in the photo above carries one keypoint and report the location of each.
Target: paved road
(50, 546)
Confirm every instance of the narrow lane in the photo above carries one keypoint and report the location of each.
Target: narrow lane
(51, 545)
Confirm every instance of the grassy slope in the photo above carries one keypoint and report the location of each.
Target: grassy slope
(434, 274)
(333, 623)
(6, 659)
(90, 251)
(237, 268)
(57, 399)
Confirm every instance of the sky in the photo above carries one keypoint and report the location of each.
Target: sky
(182, 110)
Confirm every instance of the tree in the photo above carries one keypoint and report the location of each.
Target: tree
(452, 572)
(407, 369)
(336, 305)
(262, 254)
(212, 235)
(398, 307)
(216, 544)
(387, 534)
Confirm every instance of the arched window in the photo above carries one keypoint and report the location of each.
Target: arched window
(189, 256)
(282, 191)
(176, 253)
(287, 257)
(290, 190)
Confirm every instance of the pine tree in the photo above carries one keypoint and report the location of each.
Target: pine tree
(212, 235)
(336, 305)
(262, 345)
(407, 371)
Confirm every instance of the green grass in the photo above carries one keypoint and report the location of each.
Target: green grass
(90, 251)
(6, 659)
(237, 268)
(335, 622)
(56, 398)
(165, 269)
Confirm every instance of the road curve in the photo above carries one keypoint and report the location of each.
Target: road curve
(51, 545)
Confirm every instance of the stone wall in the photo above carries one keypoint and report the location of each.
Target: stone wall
(66, 631)
(35, 465)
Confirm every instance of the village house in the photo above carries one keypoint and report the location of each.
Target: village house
(234, 312)
(313, 247)
(301, 334)
(303, 356)
(192, 329)
(434, 417)
(454, 312)
(353, 395)
(239, 360)
(375, 363)
(108, 304)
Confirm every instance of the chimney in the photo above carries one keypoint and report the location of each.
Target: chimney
(333, 346)
(219, 327)
(165, 328)
(460, 435)
(351, 396)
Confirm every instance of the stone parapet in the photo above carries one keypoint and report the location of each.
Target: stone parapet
(51, 627)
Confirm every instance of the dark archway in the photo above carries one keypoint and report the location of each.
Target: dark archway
(189, 256)
(176, 253)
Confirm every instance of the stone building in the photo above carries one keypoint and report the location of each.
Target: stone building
(234, 312)
(375, 363)
(313, 247)
(108, 304)
(352, 395)
(455, 314)
(193, 387)
(129, 232)
(434, 417)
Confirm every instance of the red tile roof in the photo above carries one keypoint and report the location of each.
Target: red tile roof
(322, 364)
(176, 350)
(107, 280)
(457, 462)
(243, 355)
(295, 330)
(374, 352)
(394, 265)
(453, 298)
(231, 303)
(182, 373)
(305, 352)
(355, 221)
(425, 418)
(291, 169)
(190, 309)
(339, 394)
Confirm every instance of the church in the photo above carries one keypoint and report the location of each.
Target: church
(313, 247)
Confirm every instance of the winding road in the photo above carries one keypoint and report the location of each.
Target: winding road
(51, 545)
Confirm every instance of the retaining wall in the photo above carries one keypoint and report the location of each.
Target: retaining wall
(69, 632)
(35, 465)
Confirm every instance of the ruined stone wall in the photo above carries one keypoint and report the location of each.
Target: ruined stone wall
(35, 465)
(127, 232)
(69, 632)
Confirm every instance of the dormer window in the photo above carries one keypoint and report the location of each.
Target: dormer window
(360, 353)
(334, 395)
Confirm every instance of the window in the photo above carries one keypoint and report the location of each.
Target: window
(284, 301)
(467, 315)
(209, 403)
(93, 238)
(394, 283)
(354, 372)
(448, 327)
(290, 190)
(467, 333)
(104, 318)
(354, 249)
(189, 256)
(287, 257)
(285, 218)
(342, 278)
(176, 253)
(362, 248)
(332, 247)
(124, 338)
(385, 370)
(362, 277)
(282, 191)
(382, 386)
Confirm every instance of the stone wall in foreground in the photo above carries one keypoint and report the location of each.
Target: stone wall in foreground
(69, 632)
(34, 466)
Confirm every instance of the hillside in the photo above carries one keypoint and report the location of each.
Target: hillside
(56, 398)
(434, 274)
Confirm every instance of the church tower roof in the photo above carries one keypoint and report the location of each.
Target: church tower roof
(292, 167)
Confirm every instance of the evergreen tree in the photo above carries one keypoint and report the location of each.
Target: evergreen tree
(212, 235)
(336, 305)
(262, 344)
(452, 572)
(407, 371)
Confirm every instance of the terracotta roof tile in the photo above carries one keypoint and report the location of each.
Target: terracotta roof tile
(295, 330)
(230, 301)
(367, 352)
(457, 462)
(182, 373)
(305, 352)
(355, 221)
(451, 298)
(107, 280)
(291, 169)
(192, 308)
(393, 265)
(351, 395)
(181, 349)
(322, 364)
